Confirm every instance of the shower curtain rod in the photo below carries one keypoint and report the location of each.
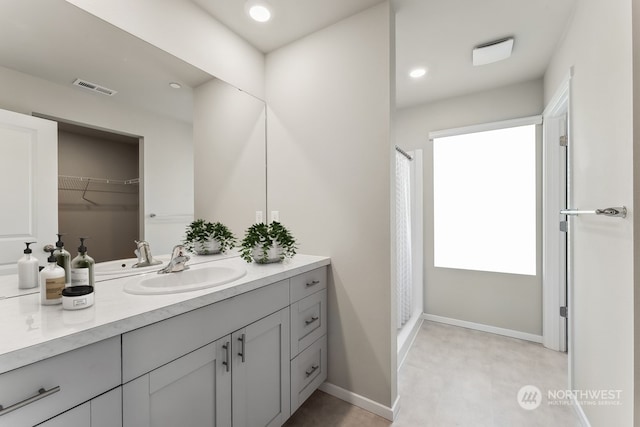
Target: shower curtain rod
(404, 153)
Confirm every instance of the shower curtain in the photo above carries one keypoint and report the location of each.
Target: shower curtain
(404, 271)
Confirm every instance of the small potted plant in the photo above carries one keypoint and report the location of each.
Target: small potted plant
(205, 238)
(265, 244)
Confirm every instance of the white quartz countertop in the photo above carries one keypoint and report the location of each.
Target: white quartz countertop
(31, 332)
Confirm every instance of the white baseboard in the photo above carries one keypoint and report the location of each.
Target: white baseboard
(404, 345)
(485, 328)
(584, 421)
(362, 402)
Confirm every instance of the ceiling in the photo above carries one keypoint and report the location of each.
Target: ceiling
(437, 34)
(58, 42)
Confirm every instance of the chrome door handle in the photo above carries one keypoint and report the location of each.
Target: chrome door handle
(42, 393)
(617, 212)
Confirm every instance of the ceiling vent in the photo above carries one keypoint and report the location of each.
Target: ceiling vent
(94, 87)
(494, 51)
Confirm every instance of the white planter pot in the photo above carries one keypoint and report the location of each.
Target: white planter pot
(274, 254)
(207, 248)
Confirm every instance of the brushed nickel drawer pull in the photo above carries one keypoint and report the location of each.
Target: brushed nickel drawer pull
(311, 371)
(310, 321)
(225, 362)
(42, 393)
(313, 283)
(241, 353)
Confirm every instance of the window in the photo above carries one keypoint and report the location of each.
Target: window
(484, 197)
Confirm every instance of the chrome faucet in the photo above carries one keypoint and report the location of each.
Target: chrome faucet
(144, 255)
(177, 262)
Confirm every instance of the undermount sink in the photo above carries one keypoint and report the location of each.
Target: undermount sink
(184, 281)
(120, 266)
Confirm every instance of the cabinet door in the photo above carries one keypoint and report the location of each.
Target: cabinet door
(191, 391)
(106, 410)
(261, 386)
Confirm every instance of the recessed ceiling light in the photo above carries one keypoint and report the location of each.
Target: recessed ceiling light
(175, 85)
(258, 11)
(416, 73)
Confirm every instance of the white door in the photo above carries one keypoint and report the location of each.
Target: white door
(192, 391)
(261, 387)
(28, 186)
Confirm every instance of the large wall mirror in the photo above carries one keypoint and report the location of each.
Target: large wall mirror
(137, 147)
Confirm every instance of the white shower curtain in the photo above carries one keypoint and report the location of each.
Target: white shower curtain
(404, 271)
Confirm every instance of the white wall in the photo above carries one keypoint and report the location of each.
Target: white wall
(502, 300)
(189, 33)
(329, 175)
(598, 44)
(168, 144)
(229, 156)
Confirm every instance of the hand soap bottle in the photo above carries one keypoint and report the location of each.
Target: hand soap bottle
(51, 282)
(82, 267)
(28, 269)
(63, 258)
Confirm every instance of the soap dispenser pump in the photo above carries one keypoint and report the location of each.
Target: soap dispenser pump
(51, 282)
(82, 267)
(28, 269)
(63, 258)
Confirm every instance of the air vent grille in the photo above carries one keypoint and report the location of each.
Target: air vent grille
(94, 87)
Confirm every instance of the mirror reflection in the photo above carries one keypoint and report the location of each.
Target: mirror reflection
(125, 166)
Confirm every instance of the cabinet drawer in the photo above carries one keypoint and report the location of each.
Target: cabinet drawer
(72, 378)
(308, 371)
(308, 321)
(308, 283)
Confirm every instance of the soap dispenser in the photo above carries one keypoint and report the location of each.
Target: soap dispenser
(28, 269)
(82, 267)
(63, 258)
(51, 282)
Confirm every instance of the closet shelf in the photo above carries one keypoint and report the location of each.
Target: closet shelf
(84, 183)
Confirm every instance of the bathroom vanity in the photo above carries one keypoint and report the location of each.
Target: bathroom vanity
(245, 353)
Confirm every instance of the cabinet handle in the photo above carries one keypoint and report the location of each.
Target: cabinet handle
(311, 371)
(313, 283)
(241, 354)
(310, 321)
(225, 362)
(42, 393)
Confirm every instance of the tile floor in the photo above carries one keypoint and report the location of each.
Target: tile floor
(459, 377)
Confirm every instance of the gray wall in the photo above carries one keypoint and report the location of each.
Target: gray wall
(496, 299)
(329, 175)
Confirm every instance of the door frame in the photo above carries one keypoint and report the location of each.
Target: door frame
(556, 254)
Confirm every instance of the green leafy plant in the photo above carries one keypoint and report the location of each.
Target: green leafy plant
(260, 238)
(201, 231)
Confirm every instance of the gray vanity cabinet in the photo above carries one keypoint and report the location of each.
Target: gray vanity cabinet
(245, 374)
(261, 372)
(226, 364)
(102, 411)
(62, 387)
(193, 390)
